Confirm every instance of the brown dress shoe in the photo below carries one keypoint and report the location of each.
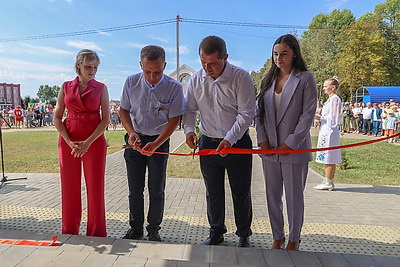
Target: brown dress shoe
(278, 244)
(293, 245)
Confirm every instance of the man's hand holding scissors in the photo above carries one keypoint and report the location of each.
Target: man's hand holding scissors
(191, 141)
(134, 141)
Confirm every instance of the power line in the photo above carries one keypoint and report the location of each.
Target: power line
(243, 24)
(239, 33)
(169, 21)
(86, 32)
(148, 24)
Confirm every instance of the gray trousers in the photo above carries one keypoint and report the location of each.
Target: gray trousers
(293, 178)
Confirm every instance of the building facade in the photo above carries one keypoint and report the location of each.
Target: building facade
(10, 95)
(185, 72)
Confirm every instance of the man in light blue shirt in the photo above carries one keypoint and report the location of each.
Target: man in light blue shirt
(151, 106)
(225, 97)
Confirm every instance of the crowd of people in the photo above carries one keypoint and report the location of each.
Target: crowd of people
(33, 116)
(42, 116)
(377, 119)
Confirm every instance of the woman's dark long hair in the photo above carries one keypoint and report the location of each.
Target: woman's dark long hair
(268, 79)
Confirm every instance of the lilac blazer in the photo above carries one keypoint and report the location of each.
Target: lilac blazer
(294, 119)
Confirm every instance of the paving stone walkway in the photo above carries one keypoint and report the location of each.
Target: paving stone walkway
(355, 225)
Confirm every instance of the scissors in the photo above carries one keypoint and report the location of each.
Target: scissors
(130, 146)
(195, 147)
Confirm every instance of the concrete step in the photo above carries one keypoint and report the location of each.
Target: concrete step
(95, 251)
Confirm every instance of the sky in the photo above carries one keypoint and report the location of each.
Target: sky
(115, 31)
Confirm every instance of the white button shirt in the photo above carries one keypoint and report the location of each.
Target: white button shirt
(149, 106)
(367, 113)
(227, 105)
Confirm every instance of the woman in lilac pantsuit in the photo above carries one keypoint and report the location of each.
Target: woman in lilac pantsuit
(286, 109)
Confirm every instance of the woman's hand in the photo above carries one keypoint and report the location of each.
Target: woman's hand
(266, 146)
(80, 148)
(284, 147)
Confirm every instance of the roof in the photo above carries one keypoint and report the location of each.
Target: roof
(380, 94)
(182, 69)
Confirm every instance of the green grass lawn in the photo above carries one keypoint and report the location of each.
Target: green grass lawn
(36, 152)
(181, 167)
(376, 163)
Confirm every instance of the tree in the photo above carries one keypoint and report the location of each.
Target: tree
(319, 46)
(48, 94)
(27, 99)
(361, 55)
(389, 14)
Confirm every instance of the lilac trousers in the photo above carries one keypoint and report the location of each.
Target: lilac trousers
(292, 177)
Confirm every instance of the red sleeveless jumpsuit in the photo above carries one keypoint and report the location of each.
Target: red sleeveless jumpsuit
(82, 119)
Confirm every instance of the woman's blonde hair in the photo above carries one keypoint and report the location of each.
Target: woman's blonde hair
(335, 80)
(85, 55)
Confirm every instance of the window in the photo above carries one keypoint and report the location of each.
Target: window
(16, 100)
(185, 78)
(15, 91)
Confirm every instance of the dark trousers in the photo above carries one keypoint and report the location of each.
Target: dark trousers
(239, 168)
(136, 165)
(367, 126)
(360, 123)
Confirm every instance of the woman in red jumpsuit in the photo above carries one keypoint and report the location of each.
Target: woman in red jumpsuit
(82, 143)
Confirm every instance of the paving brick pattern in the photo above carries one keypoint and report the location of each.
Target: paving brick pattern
(355, 225)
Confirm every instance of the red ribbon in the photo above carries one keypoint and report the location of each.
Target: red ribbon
(30, 243)
(233, 150)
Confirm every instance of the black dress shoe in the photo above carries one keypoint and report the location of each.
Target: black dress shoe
(154, 236)
(214, 239)
(244, 242)
(133, 234)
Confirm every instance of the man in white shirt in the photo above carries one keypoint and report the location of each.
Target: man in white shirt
(357, 113)
(367, 121)
(225, 97)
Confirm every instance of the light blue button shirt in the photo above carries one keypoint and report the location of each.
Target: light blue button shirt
(227, 105)
(149, 106)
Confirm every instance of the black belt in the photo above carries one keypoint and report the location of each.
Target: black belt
(215, 140)
(145, 135)
(218, 140)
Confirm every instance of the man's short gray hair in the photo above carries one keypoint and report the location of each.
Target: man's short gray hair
(152, 53)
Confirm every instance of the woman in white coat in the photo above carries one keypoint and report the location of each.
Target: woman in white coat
(286, 108)
(329, 134)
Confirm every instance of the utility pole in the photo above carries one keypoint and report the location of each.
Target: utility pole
(177, 47)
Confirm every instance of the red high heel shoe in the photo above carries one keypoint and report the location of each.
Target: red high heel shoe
(293, 245)
(278, 244)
